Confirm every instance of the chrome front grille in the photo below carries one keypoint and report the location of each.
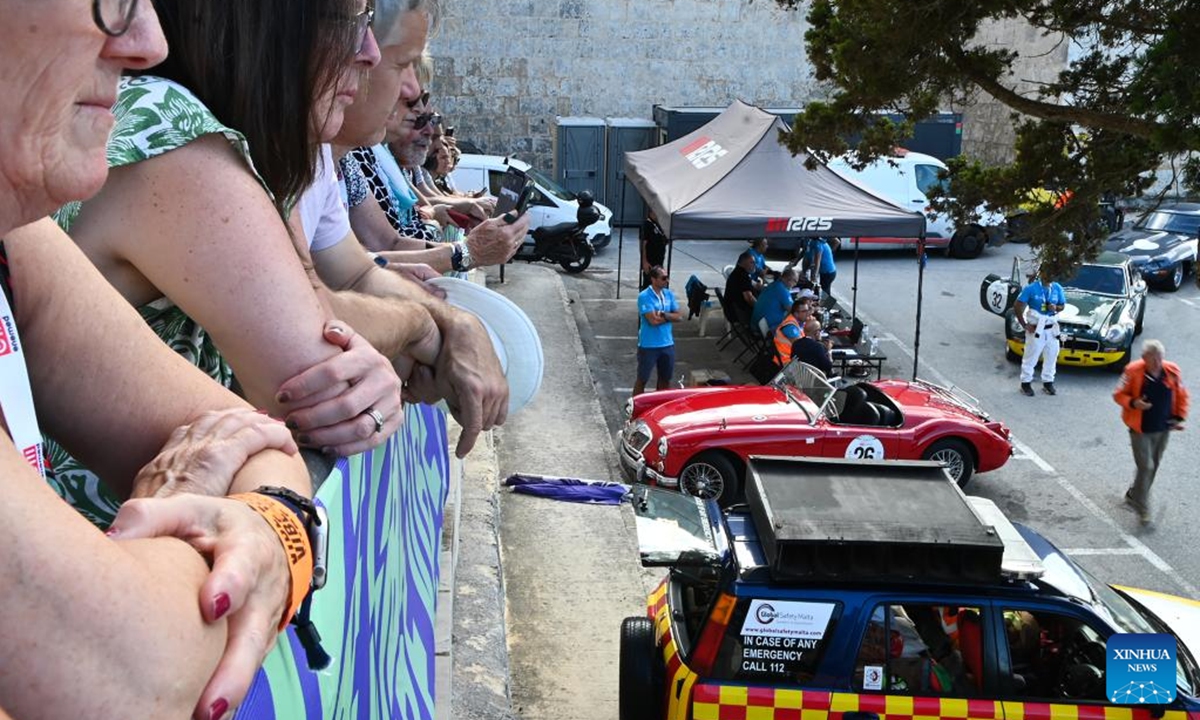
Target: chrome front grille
(637, 440)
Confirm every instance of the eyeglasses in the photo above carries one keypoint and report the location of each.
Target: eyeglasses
(114, 17)
(422, 100)
(431, 119)
(362, 23)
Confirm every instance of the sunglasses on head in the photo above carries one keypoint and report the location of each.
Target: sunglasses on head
(431, 119)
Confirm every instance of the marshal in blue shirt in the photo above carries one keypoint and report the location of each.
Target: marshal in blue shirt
(655, 336)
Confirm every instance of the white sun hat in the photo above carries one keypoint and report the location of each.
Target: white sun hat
(513, 336)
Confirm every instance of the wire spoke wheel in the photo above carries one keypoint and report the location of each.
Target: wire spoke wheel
(702, 480)
(951, 459)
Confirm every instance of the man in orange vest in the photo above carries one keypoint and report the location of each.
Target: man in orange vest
(1153, 403)
(792, 327)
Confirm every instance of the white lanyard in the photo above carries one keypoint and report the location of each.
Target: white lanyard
(662, 299)
(16, 397)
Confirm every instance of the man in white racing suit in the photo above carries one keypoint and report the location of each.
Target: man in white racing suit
(1037, 310)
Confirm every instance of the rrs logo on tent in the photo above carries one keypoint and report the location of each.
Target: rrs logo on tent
(703, 152)
(799, 224)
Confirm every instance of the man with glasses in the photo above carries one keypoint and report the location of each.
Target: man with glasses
(658, 308)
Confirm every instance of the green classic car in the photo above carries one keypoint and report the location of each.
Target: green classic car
(1106, 304)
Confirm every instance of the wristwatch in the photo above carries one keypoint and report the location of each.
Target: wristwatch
(315, 521)
(460, 257)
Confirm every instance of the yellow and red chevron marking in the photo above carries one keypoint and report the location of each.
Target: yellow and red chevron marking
(1055, 711)
(734, 702)
(657, 600)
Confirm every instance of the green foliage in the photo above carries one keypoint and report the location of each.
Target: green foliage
(1129, 101)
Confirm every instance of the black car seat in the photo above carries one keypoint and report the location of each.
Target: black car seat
(868, 414)
(856, 398)
(888, 417)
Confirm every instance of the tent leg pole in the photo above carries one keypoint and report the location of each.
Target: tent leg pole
(920, 298)
(621, 238)
(854, 287)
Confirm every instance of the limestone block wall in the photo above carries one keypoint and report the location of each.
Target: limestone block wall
(503, 69)
(988, 131)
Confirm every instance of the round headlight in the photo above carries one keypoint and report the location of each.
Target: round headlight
(629, 408)
(1015, 325)
(1115, 334)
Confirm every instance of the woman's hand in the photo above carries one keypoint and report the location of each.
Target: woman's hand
(344, 424)
(203, 456)
(472, 208)
(494, 241)
(441, 213)
(250, 582)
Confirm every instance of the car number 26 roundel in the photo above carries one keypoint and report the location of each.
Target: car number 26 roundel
(865, 447)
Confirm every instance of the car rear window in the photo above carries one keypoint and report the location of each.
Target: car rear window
(771, 640)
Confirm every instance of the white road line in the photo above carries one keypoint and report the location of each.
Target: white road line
(615, 337)
(1028, 454)
(1149, 555)
(1078, 552)
(1136, 546)
(609, 300)
(622, 391)
(1187, 302)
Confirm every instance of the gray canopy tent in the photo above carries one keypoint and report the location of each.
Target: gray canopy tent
(732, 179)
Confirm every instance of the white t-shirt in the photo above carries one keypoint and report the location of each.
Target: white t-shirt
(322, 211)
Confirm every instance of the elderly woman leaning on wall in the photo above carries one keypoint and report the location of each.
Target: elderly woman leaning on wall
(208, 153)
(94, 625)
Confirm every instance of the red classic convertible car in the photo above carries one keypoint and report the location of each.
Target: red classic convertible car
(699, 439)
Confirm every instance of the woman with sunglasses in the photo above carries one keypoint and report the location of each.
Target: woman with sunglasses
(95, 625)
(208, 157)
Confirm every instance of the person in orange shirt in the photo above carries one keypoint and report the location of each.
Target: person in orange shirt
(1154, 403)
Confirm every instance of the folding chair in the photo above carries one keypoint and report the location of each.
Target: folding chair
(729, 335)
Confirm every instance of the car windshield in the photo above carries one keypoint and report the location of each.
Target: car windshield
(1170, 222)
(798, 379)
(1102, 279)
(549, 185)
(674, 529)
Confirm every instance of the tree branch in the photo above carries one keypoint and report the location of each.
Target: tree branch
(1047, 110)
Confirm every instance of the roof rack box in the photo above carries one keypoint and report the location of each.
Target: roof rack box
(834, 519)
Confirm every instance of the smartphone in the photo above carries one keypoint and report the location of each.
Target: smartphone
(450, 131)
(515, 192)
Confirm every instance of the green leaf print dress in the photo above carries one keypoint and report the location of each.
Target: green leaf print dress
(154, 116)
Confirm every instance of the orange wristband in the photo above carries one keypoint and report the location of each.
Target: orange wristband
(294, 537)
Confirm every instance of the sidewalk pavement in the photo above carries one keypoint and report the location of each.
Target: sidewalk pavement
(548, 605)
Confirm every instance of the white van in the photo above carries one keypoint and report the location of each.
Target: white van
(904, 179)
(551, 204)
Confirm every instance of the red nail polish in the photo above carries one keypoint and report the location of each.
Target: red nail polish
(220, 606)
(112, 532)
(218, 709)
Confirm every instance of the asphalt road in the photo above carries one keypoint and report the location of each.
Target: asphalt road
(1073, 463)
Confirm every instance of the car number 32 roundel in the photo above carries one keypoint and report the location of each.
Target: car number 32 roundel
(865, 447)
(997, 296)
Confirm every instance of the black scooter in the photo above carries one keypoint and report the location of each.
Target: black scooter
(565, 244)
